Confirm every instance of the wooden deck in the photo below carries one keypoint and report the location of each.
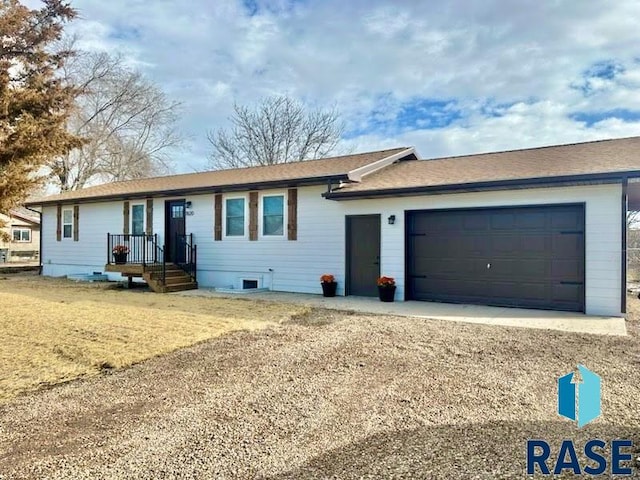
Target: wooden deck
(126, 269)
(175, 279)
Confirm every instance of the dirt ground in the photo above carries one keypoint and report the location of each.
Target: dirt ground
(54, 330)
(327, 395)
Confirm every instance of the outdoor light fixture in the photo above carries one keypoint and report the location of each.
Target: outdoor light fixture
(391, 219)
(187, 204)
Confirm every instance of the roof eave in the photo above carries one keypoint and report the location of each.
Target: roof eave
(565, 180)
(299, 182)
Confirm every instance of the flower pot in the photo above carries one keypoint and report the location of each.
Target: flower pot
(386, 293)
(120, 258)
(329, 288)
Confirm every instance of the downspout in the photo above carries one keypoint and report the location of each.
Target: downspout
(40, 239)
(623, 253)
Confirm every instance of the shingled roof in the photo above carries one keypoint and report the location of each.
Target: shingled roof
(605, 158)
(307, 172)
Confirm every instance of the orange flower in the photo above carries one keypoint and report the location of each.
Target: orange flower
(386, 281)
(327, 278)
(120, 249)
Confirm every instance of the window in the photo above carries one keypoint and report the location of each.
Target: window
(177, 211)
(235, 217)
(67, 223)
(273, 215)
(21, 234)
(137, 219)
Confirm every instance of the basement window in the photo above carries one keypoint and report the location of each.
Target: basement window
(247, 284)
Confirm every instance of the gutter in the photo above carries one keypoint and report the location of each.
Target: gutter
(613, 177)
(623, 252)
(39, 239)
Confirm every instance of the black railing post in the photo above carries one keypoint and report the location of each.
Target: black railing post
(108, 249)
(164, 267)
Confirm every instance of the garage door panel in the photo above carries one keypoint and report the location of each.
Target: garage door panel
(503, 220)
(567, 220)
(534, 244)
(536, 292)
(531, 221)
(534, 268)
(536, 256)
(567, 245)
(505, 244)
(567, 293)
(567, 270)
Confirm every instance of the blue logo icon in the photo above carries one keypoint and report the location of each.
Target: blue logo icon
(583, 407)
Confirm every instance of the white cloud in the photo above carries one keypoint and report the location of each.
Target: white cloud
(521, 58)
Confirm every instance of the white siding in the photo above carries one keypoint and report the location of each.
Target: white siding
(89, 253)
(297, 265)
(603, 231)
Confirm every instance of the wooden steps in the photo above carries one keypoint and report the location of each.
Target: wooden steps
(176, 280)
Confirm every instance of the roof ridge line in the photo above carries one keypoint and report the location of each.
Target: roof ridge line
(542, 147)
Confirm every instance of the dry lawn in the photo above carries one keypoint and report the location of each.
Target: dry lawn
(54, 330)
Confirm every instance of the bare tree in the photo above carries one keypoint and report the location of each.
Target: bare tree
(127, 121)
(278, 130)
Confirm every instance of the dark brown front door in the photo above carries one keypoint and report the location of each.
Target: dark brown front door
(363, 255)
(174, 230)
(531, 257)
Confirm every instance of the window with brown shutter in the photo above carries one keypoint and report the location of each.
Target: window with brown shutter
(125, 218)
(59, 224)
(149, 216)
(292, 217)
(76, 218)
(253, 215)
(217, 230)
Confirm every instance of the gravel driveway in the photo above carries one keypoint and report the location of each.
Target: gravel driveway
(329, 395)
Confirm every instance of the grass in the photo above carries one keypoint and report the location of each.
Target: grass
(54, 331)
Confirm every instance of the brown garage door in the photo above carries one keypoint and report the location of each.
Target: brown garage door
(530, 257)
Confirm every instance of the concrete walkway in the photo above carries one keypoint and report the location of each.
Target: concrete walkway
(511, 317)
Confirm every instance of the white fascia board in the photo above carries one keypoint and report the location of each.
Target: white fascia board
(357, 174)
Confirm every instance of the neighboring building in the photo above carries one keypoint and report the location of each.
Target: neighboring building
(23, 228)
(537, 228)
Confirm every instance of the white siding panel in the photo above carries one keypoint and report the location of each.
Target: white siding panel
(89, 253)
(602, 225)
(297, 265)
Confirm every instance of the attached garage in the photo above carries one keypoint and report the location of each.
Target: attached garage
(528, 257)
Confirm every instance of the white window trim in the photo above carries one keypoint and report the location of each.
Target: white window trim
(144, 217)
(285, 211)
(246, 217)
(70, 237)
(21, 229)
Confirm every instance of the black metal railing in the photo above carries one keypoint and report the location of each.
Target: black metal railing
(158, 269)
(131, 249)
(185, 255)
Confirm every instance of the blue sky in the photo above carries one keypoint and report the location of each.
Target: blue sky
(446, 77)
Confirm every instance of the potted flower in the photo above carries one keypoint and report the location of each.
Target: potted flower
(386, 289)
(120, 253)
(329, 285)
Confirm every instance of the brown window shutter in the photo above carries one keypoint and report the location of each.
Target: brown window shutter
(149, 216)
(125, 217)
(292, 224)
(76, 218)
(253, 215)
(217, 232)
(59, 224)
